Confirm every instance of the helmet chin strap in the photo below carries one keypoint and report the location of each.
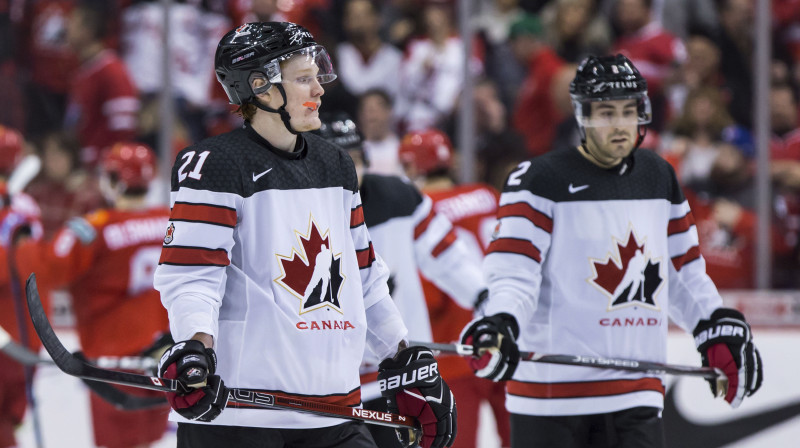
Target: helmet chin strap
(285, 117)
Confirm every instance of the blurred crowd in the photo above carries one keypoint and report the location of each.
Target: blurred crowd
(77, 76)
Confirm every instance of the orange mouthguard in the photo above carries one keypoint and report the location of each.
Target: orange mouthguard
(310, 104)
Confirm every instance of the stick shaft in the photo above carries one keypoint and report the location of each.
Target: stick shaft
(589, 361)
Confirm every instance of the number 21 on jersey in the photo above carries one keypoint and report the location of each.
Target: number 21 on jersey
(195, 173)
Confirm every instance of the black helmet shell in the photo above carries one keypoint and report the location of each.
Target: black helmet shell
(607, 78)
(249, 48)
(339, 128)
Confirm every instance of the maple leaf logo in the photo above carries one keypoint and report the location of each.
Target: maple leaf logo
(312, 273)
(627, 276)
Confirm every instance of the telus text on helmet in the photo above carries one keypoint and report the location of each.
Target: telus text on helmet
(599, 87)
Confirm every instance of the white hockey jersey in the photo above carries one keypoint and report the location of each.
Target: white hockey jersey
(411, 238)
(268, 252)
(594, 262)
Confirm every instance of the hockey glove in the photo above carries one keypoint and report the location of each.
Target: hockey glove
(411, 384)
(725, 342)
(495, 354)
(201, 395)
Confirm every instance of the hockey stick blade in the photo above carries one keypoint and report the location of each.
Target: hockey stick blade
(72, 365)
(596, 361)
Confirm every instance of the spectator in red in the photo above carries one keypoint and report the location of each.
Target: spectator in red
(11, 96)
(103, 102)
(536, 114)
(63, 189)
(48, 60)
(657, 53)
(785, 143)
(726, 223)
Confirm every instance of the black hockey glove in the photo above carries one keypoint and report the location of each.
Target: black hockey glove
(411, 384)
(495, 354)
(201, 395)
(725, 342)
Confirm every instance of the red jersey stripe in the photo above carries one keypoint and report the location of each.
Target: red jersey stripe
(369, 377)
(446, 242)
(351, 399)
(423, 225)
(207, 213)
(583, 389)
(356, 216)
(692, 254)
(524, 210)
(194, 256)
(680, 225)
(365, 256)
(515, 246)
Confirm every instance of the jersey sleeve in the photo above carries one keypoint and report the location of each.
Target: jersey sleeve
(443, 258)
(205, 209)
(693, 295)
(519, 246)
(385, 327)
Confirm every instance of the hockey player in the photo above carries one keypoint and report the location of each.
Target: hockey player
(18, 214)
(411, 238)
(251, 212)
(561, 276)
(427, 157)
(106, 259)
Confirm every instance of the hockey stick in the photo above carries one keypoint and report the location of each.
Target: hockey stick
(599, 362)
(24, 336)
(71, 365)
(18, 352)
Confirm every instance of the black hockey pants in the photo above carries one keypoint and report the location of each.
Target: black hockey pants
(640, 427)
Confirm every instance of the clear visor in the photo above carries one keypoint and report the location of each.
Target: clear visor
(632, 111)
(301, 66)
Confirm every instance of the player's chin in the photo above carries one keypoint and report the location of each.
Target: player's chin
(309, 123)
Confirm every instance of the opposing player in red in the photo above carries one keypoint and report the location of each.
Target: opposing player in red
(427, 157)
(18, 213)
(107, 259)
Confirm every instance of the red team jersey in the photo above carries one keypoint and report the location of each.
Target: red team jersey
(107, 258)
(471, 209)
(24, 205)
(50, 60)
(103, 105)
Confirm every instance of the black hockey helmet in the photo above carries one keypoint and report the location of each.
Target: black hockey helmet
(607, 78)
(255, 50)
(339, 128)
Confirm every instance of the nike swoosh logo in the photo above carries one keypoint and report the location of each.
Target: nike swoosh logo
(686, 434)
(258, 176)
(574, 190)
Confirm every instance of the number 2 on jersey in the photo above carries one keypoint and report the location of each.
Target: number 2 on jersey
(513, 179)
(195, 173)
